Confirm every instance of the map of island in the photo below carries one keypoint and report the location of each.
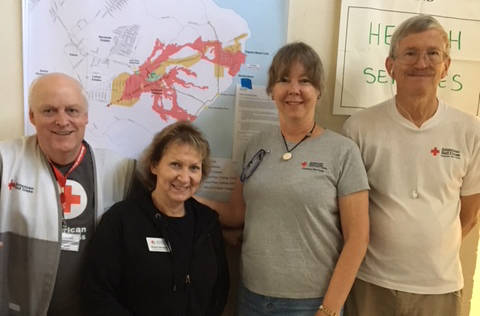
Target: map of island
(145, 64)
(170, 68)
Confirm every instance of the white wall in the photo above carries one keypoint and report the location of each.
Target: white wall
(316, 23)
(11, 99)
(312, 21)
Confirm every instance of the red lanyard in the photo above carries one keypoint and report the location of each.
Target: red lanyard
(62, 179)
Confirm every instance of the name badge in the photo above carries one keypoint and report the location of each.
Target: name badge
(71, 242)
(157, 245)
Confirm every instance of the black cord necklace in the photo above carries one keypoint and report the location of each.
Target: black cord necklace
(288, 155)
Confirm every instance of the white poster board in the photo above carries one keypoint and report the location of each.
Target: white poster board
(366, 27)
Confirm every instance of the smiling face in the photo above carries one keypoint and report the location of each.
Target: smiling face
(179, 173)
(419, 76)
(295, 95)
(58, 110)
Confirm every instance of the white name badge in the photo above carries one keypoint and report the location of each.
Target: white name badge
(157, 245)
(71, 242)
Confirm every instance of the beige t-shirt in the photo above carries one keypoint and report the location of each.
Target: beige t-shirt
(417, 176)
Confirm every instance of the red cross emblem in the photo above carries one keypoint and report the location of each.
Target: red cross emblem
(434, 151)
(68, 199)
(11, 185)
(304, 164)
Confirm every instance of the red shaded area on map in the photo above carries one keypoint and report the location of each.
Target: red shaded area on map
(152, 76)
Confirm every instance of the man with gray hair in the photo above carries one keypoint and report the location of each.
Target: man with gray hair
(53, 189)
(423, 163)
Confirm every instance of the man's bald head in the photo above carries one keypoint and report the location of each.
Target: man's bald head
(49, 79)
(58, 110)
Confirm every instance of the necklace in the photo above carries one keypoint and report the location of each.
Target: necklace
(408, 116)
(288, 155)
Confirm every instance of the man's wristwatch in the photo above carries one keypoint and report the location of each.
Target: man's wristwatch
(327, 311)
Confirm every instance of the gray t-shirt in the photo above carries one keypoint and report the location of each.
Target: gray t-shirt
(292, 235)
(79, 219)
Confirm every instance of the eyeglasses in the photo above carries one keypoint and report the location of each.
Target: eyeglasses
(410, 57)
(252, 165)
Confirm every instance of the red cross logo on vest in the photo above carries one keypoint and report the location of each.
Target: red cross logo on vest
(68, 199)
(74, 199)
(72, 195)
(434, 151)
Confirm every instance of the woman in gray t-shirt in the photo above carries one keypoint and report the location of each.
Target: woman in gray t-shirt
(303, 199)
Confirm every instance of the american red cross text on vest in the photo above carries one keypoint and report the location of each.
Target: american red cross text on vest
(69, 199)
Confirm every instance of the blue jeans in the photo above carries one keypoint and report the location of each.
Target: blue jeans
(252, 304)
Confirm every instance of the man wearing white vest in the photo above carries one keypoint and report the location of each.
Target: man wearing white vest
(423, 163)
(53, 189)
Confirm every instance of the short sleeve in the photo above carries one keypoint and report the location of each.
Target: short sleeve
(471, 180)
(353, 177)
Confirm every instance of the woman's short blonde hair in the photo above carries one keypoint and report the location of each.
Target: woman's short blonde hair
(293, 53)
(181, 132)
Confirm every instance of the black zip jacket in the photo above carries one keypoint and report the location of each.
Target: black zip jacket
(125, 278)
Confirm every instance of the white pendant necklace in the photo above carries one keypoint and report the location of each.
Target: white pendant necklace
(288, 155)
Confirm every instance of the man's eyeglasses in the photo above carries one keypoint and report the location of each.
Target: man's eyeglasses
(252, 165)
(410, 57)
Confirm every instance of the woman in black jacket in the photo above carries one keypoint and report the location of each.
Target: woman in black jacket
(162, 252)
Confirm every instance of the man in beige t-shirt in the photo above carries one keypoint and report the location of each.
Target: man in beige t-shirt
(422, 161)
